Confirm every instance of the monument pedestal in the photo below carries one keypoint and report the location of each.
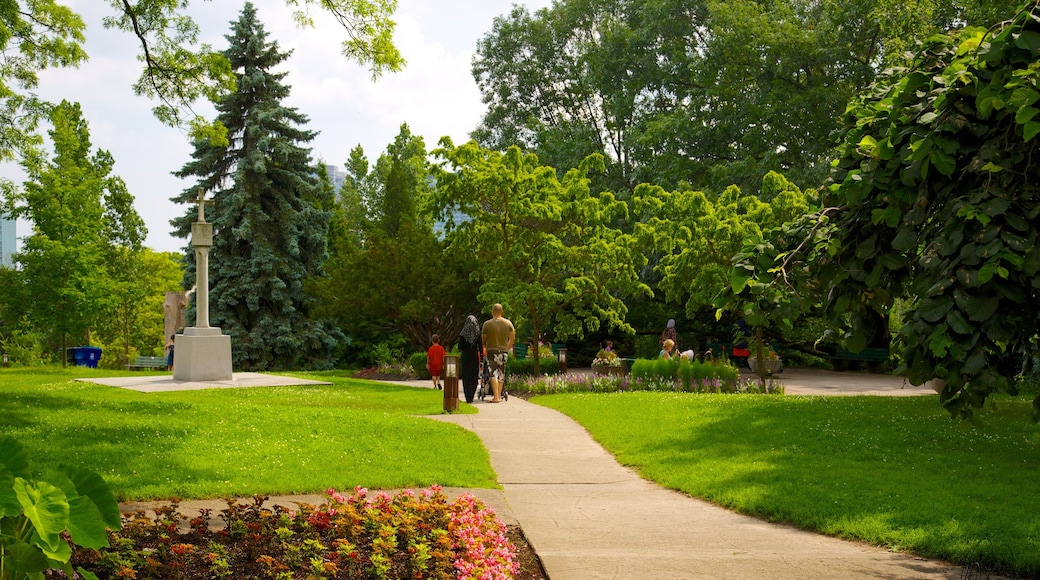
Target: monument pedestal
(202, 354)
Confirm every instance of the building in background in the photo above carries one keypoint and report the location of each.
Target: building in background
(7, 242)
(336, 175)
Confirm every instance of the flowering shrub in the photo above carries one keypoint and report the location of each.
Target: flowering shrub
(718, 377)
(607, 358)
(406, 535)
(384, 371)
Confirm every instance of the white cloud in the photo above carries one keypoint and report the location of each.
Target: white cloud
(435, 94)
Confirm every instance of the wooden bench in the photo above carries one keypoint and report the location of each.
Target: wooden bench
(875, 357)
(144, 363)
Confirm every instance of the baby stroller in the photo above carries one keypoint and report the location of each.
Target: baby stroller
(484, 380)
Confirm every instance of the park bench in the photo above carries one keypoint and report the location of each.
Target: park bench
(144, 363)
(875, 357)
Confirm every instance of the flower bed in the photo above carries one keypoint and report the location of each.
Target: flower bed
(407, 535)
(716, 377)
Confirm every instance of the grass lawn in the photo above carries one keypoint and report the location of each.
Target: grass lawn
(240, 442)
(893, 471)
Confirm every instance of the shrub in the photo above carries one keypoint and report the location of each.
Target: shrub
(24, 349)
(418, 364)
(406, 535)
(548, 365)
(551, 385)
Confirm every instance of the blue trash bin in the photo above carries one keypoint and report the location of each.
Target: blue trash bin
(85, 356)
(91, 356)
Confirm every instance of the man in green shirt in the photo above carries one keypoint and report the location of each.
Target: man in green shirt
(498, 336)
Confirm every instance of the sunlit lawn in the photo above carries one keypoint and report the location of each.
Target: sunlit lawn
(243, 441)
(892, 471)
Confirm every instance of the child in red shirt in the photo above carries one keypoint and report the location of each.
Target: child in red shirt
(435, 360)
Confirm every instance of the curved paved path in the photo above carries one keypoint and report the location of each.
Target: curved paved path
(588, 517)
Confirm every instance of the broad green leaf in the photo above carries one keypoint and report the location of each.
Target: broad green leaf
(934, 309)
(955, 319)
(46, 507)
(91, 485)
(23, 558)
(905, 240)
(1025, 115)
(1030, 130)
(13, 457)
(86, 524)
(975, 363)
(1029, 40)
(1023, 97)
(946, 164)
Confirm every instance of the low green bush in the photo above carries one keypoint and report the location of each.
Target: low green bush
(418, 363)
(686, 375)
(557, 384)
(548, 365)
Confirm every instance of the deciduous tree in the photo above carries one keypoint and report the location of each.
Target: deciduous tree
(546, 248)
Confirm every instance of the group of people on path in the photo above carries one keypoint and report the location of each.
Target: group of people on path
(491, 342)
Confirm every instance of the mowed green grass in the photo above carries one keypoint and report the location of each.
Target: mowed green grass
(895, 472)
(241, 441)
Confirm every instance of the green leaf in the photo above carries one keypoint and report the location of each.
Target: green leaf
(958, 323)
(934, 309)
(1030, 131)
(46, 507)
(13, 457)
(1029, 40)
(1025, 115)
(91, 485)
(21, 558)
(905, 240)
(86, 525)
(946, 164)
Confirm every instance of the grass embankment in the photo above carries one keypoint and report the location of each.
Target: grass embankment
(892, 471)
(240, 442)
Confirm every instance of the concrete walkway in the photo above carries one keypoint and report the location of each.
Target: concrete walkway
(589, 517)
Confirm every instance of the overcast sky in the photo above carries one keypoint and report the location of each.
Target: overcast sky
(435, 93)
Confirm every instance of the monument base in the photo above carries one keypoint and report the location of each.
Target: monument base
(202, 354)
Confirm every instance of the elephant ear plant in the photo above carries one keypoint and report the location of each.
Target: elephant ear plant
(36, 515)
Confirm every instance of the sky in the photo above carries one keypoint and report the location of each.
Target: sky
(435, 94)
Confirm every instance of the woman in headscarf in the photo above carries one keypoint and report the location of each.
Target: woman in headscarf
(669, 333)
(469, 347)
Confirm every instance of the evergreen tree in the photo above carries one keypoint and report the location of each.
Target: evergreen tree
(270, 231)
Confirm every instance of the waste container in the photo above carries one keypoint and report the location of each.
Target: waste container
(85, 356)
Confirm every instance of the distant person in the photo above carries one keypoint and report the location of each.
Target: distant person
(609, 347)
(470, 347)
(169, 352)
(668, 333)
(435, 361)
(666, 349)
(498, 336)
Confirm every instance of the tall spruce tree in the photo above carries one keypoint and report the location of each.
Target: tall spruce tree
(270, 233)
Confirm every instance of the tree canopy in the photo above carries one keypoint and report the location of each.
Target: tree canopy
(933, 197)
(711, 93)
(546, 248)
(42, 34)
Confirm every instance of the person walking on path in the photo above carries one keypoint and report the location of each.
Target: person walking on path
(435, 360)
(497, 336)
(469, 347)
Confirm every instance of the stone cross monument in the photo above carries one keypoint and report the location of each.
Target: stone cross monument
(202, 353)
